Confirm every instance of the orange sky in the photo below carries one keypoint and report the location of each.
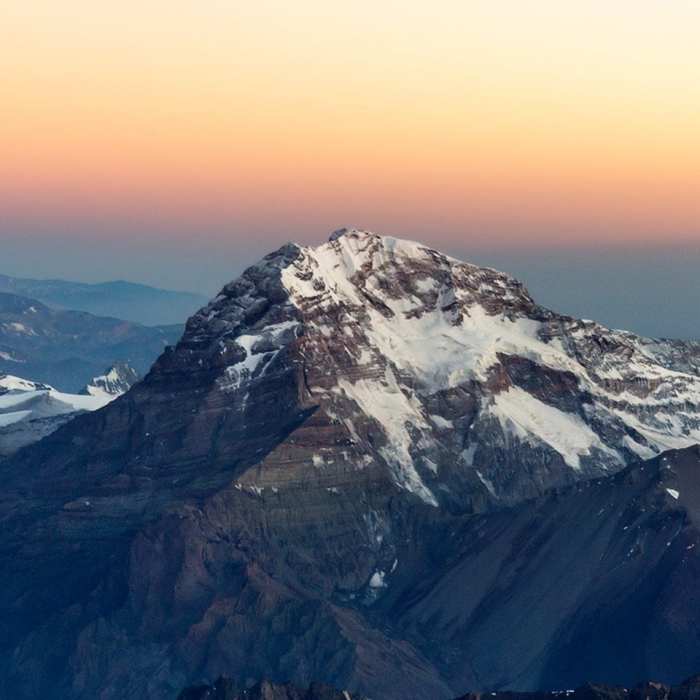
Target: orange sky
(541, 121)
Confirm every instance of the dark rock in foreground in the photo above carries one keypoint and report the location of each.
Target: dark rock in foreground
(225, 689)
(688, 690)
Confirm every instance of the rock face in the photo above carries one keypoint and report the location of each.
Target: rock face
(67, 348)
(372, 465)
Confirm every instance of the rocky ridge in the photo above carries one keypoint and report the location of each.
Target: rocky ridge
(224, 689)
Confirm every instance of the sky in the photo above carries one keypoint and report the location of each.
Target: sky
(175, 142)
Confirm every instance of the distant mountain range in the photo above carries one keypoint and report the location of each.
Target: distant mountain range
(368, 464)
(66, 349)
(127, 300)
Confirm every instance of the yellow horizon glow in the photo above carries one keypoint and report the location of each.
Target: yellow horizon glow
(539, 113)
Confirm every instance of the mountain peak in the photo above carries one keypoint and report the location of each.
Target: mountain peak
(345, 231)
(115, 381)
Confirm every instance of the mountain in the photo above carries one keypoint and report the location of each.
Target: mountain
(8, 384)
(134, 302)
(225, 689)
(115, 381)
(29, 411)
(68, 348)
(369, 464)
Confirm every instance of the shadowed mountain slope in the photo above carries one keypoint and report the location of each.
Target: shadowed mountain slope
(138, 303)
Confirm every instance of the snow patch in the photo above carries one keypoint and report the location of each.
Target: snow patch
(441, 422)
(468, 455)
(242, 371)
(377, 580)
(10, 383)
(487, 483)
(530, 420)
(13, 417)
(19, 328)
(426, 284)
(26, 400)
(395, 412)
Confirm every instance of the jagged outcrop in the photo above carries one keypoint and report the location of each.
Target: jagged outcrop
(115, 381)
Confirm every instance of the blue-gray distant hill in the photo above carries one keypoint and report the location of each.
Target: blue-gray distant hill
(66, 349)
(127, 300)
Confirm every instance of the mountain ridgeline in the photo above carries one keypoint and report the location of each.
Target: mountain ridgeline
(138, 303)
(371, 465)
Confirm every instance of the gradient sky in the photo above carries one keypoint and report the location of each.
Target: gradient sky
(141, 139)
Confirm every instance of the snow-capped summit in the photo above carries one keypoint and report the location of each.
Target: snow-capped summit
(9, 382)
(29, 410)
(116, 380)
(453, 371)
